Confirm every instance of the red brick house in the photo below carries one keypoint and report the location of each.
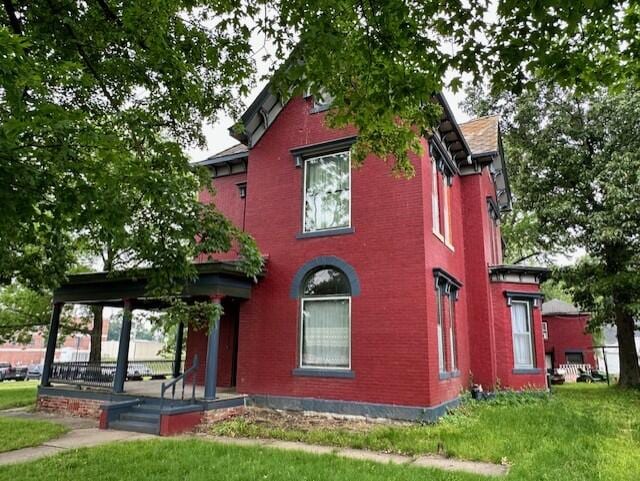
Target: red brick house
(381, 296)
(566, 340)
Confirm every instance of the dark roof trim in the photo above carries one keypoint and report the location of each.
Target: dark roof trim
(461, 154)
(112, 288)
(515, 269)
(223, 158)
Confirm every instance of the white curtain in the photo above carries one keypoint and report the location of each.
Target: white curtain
(441, 343)
(327, 194)
(522, 347)
(325, 333)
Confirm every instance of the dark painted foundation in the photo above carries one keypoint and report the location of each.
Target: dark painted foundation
(370, 410)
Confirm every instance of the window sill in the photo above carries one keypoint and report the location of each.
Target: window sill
(326, 233)
(530, 370)
(449, 375)
(311, 372)
(441, 238)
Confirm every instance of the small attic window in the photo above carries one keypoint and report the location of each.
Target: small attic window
(242, 189)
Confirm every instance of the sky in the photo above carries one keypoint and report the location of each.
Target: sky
(218, 138)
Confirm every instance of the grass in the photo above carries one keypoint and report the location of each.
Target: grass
(17, 394)
(197, 460)
(23, 433)
(581, 432)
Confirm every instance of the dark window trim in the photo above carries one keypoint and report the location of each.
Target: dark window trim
(533, 370)
(448, 375)
(537, 298)
(326, 232)
(324, 261)
(242, 188)
(442, 275)
(324, 372)
(324, 148)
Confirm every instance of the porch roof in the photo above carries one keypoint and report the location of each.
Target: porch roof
(112, 288)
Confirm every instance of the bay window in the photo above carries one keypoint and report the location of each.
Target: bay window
(523, 352)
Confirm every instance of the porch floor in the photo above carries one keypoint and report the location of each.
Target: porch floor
(151, 388)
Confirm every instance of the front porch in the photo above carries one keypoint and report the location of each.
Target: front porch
(164, 388)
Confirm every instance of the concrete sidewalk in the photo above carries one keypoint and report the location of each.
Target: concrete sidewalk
(423, 461)
(77, 438)
(83, 433)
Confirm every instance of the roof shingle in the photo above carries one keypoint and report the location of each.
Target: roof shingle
(482, 134)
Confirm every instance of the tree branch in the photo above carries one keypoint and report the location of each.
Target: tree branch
(529, 256)
(13, 19)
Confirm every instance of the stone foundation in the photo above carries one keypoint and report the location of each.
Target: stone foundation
(219, 415)
(85, 408)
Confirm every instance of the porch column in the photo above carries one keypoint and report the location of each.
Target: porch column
(211, 372)
(52, 340)
(178, 358)
(123, 349)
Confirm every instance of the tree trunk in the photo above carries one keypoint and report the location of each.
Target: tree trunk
(95, 354)
(629, 368)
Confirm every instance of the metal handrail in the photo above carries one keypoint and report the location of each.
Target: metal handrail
(182, 377)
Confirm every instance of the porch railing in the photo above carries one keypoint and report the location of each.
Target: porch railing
(94, 374)
(171, 385)
(101, 374)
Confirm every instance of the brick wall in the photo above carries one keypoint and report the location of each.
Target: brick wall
(393, 251)
(86, 408)
(568, 333)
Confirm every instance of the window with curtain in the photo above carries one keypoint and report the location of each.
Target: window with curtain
(326, 320)
(522, 336)
(327, 192)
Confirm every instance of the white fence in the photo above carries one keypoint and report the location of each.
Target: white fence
(571, 371)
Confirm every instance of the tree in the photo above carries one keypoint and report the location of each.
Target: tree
(24, 312)
(574, 164)
(575, 44)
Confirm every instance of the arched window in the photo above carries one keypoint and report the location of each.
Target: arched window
(325, 340)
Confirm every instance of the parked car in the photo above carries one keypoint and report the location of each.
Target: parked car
(137, 370)
(34, 371)
(8, 372)
(591, 376)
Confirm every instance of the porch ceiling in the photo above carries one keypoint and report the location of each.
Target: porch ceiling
(111, 289)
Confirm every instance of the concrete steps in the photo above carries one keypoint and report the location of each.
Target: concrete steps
(141, 418)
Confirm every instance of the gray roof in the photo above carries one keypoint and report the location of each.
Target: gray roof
(235, 152)
(556, 306)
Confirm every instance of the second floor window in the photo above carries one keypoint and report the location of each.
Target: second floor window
(327, 192)
(440, 203)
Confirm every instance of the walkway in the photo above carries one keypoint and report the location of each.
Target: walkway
(84, 433)
(423, 461)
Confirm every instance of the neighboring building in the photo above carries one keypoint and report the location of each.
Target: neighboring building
(611, 351)
(566, 340)
(73, 348)
(382, 296)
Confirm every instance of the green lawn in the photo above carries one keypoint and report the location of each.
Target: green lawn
(17, 394)
(580, 433)
(196, 460)
(22, 433)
